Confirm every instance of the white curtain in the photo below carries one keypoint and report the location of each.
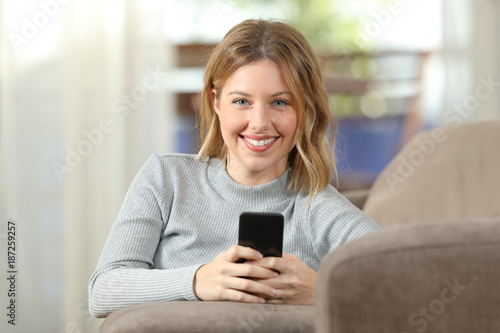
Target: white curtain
(486, 48)
(471, 49)
(83, 105)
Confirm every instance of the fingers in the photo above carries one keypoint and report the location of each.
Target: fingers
(245, 270)
(255, 272)
(252, 288)
(295, 283)
(239, 296)
(223, 279)
(241, 252)
(212, 284)
(291, 257)
(281, 265)
(285, 264)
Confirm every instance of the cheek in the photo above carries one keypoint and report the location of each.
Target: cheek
(230, 124)
(288, 126)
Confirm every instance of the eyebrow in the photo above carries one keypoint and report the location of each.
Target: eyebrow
(238, 92)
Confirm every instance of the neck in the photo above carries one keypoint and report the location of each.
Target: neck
(253, 178)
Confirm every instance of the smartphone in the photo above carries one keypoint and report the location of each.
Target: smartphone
(262, 232)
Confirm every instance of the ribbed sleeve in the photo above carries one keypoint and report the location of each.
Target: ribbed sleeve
(124, 274)
(179, 213)
(333, 220)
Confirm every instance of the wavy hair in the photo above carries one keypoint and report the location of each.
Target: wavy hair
(312, 159)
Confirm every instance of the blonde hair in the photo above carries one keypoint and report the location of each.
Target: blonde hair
(312, 160)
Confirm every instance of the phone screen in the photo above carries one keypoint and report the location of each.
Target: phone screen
(262, 232)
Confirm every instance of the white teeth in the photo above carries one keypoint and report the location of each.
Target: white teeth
(260, 143)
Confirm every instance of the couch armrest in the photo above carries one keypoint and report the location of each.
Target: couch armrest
(210, 317)
(357, 197)
(440, 277)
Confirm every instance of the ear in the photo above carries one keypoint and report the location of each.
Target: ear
(215, 101)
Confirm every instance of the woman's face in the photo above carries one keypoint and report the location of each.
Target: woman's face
(258, 120)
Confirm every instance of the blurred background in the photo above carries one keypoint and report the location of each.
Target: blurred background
(89, 89)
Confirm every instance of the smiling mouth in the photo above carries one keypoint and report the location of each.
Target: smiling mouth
(259, 146)
(259, 143)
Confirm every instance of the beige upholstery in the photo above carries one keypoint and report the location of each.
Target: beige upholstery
(434, 268)
(206, 317)
(438, 277)
(449, 173)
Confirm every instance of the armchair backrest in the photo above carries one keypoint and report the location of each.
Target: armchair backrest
(447, 173)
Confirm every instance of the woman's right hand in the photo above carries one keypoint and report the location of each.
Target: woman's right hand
(224, 279)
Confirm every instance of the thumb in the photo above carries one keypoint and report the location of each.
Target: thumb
(289, 256)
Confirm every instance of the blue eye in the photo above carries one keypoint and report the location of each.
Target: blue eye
(280, 103)
(241, 102)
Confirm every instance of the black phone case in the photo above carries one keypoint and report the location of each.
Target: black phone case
(262, 232)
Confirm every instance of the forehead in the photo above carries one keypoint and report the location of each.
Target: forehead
(258, 77)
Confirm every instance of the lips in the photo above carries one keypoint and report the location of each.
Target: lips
(258, 144)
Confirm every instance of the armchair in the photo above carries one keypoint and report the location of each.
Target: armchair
(434, 267)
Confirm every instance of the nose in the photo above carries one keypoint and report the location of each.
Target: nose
(260, 119)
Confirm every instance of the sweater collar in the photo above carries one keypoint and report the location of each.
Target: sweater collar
(259, 196)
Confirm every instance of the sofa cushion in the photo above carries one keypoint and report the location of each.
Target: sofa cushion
(447, 173)
(186, 316)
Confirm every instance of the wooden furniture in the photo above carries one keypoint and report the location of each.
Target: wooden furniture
(378, 99)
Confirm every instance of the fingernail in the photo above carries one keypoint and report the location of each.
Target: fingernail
(262, 301)
(273, 292)
(275, 274)
(259, 256)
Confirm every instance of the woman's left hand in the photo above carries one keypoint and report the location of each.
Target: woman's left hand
(296, 282)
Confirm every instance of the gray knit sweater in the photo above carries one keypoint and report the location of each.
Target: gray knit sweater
(179, 213)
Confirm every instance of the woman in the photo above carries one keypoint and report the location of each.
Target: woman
(264, 120)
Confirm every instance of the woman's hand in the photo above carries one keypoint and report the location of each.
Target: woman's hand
(295, 284)
(224, 279)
